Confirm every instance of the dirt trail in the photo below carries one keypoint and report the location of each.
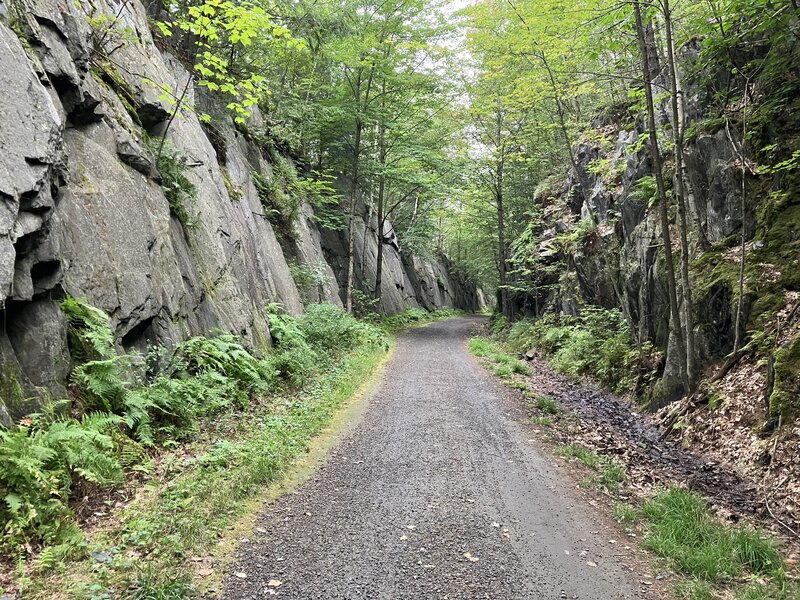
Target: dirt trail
(439, 493)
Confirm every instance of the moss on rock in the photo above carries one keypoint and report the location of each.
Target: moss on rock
(12, 394)
(785, 398)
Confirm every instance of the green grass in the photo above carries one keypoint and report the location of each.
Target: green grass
(503, 371)
(503, 359)
(521, 368)
(183, 511)
(547, 404)
(599, 343)
(609, 473)
(681, 529)
(542, 421)
(625, 514)
(506, 364)
(695, 589)
(480, 346)
(411, 317)
(587, 457)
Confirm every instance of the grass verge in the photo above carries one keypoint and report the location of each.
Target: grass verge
(716, 561)
(505, 364)
(719, 561)
(152, 548)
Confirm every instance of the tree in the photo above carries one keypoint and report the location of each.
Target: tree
(676, 333)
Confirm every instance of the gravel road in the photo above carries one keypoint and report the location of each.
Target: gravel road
(438, 493)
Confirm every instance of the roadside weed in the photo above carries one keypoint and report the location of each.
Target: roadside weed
(584, 455)
(480, 346)
(681, 529)
(547, 404)
(625, 514)
(695, 589)
(610, 473)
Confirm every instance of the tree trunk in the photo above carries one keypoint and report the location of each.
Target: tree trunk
(381, 194)
(351, 228)
(691, 203)
(505, 305)
(678, 128)
(675, 318)
(584, 182)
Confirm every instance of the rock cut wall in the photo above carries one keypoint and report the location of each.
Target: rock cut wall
(83, 210)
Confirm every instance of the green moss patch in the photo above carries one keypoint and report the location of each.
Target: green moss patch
(785, 398)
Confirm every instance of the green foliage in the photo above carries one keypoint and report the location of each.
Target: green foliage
(625, 514)
(498, 323)
(330, 330)
(503, 371)
(275, 190)
(609, 474)
(41, 462)
(681, 529)
(88, 329)
(311, 342)
(103, 387)
(584, 455)
(295, 359)
(310, 279)
(193, 503)
(695, 589)
(645, 191)
(44, 460)
(785, 398)
(223, 30)
(599, 343)
(178, 190)
(480, 346)
(411, 317)
(546, 404)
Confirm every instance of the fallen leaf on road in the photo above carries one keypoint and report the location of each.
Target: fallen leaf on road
(495, 524)
(591, 563)
(241, 575)
(411, 527)
(404, 537)
(471, 557)
(205, 572)
(273, 583)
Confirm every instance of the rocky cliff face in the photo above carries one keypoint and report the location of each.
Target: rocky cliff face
(618, 262)
(83, 209)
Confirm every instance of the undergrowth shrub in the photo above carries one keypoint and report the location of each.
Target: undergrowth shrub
(41, 462)
(328, 328)
(178, 190)
(599, 343)
(295, 360)
(480, 346)
(121, 407)
(88, 332)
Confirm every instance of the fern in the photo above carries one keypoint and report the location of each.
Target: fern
(88, 329)
(40, 464)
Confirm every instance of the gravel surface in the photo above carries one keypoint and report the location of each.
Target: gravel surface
(438, 493)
